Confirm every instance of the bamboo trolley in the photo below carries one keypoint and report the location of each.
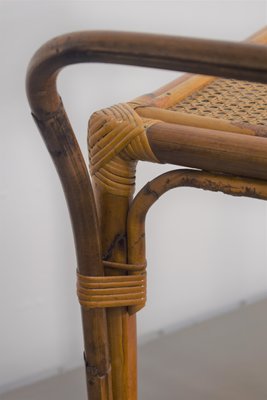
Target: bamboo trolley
(217, 126)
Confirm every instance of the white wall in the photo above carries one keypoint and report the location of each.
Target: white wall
(206, 251)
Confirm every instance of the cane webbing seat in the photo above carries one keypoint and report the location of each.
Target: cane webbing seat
(209, 102)
(231, 100)
(217, 103)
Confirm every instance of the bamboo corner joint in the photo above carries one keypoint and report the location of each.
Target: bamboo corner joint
(116, 141)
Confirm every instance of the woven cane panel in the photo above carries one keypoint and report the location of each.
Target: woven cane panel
(228, 99)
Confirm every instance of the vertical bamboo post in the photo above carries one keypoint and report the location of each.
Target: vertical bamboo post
(113, 183)
(112, 211)
(117, 139)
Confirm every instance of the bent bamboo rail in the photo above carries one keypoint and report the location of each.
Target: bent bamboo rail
(225, 59)
(153, 190)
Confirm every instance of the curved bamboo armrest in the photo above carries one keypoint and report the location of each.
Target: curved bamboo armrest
(244, 61)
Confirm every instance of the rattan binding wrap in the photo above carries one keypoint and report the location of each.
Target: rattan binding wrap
(228, 99)
(117, 139)
(111, 291)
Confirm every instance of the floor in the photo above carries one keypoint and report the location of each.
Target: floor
(224, 358)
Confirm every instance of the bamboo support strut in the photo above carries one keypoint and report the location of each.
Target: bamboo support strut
(152, 191)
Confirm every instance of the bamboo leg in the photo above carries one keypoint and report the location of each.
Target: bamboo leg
(116, 140)
(98, 376)
(66, 155)
(112, 212)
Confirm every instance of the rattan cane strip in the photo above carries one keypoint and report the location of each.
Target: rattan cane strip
(228, 99)
(124, 266)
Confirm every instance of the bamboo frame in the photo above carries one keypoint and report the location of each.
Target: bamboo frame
(111, 363)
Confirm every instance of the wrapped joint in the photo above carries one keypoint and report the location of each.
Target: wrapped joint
(116, 141)
(111, 291)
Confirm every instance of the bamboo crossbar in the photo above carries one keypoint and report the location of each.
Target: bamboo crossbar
(208, 149)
